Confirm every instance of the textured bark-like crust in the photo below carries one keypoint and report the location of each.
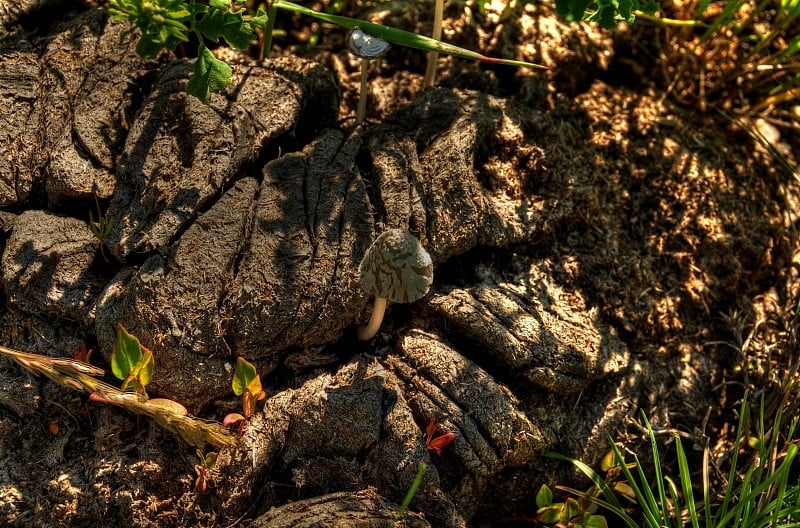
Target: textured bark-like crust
(299, 269)
(361, 509)
(341, 431)
(173, 301)
(180, 152)
(48, 267)
(64, 108)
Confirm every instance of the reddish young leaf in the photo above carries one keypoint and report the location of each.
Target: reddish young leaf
(232, 419)
(437, 444)
(440, 442)
(82, 354)
(201, 483)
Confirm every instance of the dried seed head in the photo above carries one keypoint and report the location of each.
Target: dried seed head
(366, 46)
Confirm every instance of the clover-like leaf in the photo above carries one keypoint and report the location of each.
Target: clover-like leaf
(235, 27)
(210, 75)
(596, 521)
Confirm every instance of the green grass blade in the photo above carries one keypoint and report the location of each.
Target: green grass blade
(400, 37)
(650, 518)
(686, 482)
(744, 420)
(707, 485)
(596, 479)
(412, 491)
(660, 506)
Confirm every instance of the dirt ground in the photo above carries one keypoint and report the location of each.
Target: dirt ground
(645, 223)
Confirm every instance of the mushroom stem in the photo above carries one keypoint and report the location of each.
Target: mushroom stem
(361, 111)
(365, 333)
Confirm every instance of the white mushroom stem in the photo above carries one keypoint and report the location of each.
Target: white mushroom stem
(365, 333)
(361, 111)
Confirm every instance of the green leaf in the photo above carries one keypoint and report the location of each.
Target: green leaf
(244, 375)
(550, 514)
(210, 460)
(210, 75)
(126, 354)
(607, 17)
(235, 28)
(544, 497)
(626, 8)
(143, 369)
(577, 8)
(596, 521)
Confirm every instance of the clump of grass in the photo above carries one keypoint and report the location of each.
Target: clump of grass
(762, 492)
(740, 56)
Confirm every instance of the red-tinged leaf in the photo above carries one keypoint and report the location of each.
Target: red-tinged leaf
(437, 444)
(201, 484)
(82, 354)
(430, 430)
(232, 419)
(170, 406)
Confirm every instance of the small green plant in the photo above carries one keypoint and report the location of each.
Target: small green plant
(78, 375)
(204, 469)
(131, 362)
(608, 13)
(166, 23)
(572, 513)
(247, 384)
(581, 511)
(739, 56)
(410, 494)
(101, 229)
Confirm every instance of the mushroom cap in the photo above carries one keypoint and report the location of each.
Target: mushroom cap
(396, 267)
(366, 46)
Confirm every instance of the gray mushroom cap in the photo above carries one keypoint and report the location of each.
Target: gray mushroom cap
(396, 267)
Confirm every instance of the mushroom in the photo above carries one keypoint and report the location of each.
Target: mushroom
(367, 48)
(395, 268)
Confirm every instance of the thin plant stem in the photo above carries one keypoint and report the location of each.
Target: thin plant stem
(430, 71)
(266, 41)
(412, 491)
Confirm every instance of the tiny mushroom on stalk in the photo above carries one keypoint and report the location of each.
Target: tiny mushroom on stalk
(395, 268)
(367, 48)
